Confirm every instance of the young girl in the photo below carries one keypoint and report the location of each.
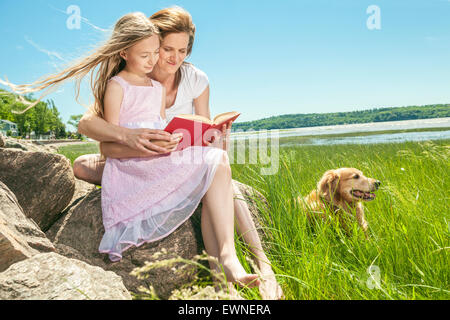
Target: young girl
(145, 199)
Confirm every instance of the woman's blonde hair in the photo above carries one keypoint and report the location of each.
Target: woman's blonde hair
(128, 30)
(175, 20)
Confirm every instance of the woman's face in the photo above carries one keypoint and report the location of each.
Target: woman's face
(173, 51)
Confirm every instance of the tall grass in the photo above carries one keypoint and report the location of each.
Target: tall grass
(407, 253)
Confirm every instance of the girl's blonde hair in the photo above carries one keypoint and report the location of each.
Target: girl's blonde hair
(175, 20)
(128, 30)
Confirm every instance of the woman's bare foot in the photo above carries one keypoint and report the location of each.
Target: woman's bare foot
(235, 273)
(269, 288)
(229, 289)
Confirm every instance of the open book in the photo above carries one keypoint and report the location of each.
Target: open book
(197, 129)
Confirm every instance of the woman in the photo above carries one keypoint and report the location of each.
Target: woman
(187, 91)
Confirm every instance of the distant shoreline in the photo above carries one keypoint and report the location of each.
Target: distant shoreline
(377, 115)
(368, 133)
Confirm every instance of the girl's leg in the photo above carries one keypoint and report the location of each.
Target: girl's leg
(89, 168)
(218, 228)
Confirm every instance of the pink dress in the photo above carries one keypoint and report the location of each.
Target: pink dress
(146, 199)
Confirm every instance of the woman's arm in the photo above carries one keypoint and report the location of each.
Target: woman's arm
(98, 129)
(113, 98)
(201, 105)
(119, 151)
(163, 103)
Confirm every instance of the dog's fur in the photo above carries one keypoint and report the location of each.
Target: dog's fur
(341, 191)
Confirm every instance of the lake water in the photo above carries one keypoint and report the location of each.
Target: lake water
(381, 138)
(360, 127)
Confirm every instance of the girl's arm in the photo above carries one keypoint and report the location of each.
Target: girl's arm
(113, 101)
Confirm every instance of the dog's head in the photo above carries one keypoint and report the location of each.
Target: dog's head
(347, 184)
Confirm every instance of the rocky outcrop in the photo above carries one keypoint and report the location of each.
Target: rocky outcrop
(50, 276)
(26, 145)
(40, 194)
(43, 183)
(20, 237)
(82, 229)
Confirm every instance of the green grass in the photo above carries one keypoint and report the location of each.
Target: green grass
(74, 151)
(409, 222)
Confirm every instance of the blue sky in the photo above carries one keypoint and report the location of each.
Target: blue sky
(263, 58)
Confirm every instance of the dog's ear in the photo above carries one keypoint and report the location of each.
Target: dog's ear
(328, 184)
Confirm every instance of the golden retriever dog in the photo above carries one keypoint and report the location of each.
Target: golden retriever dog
(341, 191)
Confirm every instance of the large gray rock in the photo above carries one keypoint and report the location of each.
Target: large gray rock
(43, 183)
(26, 145)
(81, 228)
(50, 276)
(82, 188)
(20, 237)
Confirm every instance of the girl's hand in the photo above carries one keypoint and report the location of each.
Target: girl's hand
(169, 145)
(144, 140)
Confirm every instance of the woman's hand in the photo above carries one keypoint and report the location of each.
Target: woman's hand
(221, 140)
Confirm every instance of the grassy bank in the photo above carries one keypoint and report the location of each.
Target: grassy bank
(407, 254)
(74, 151)
(408, 248)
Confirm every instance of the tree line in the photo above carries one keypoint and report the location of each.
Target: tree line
(301, 120)
(43, 119)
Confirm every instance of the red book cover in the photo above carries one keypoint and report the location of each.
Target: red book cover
(196, 129)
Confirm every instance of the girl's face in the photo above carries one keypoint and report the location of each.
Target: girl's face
(173, 51)
(142, 57)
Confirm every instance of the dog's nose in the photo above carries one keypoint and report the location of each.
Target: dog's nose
(377, 183)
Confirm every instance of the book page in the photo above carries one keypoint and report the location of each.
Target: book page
(194, 117)
(224, 116)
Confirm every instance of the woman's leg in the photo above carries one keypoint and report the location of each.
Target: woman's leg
(246, 228)
(218, 227)
(89, 167)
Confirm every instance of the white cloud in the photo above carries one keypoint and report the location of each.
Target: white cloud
(51, 54)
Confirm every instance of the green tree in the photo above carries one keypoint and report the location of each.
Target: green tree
(74, 120)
